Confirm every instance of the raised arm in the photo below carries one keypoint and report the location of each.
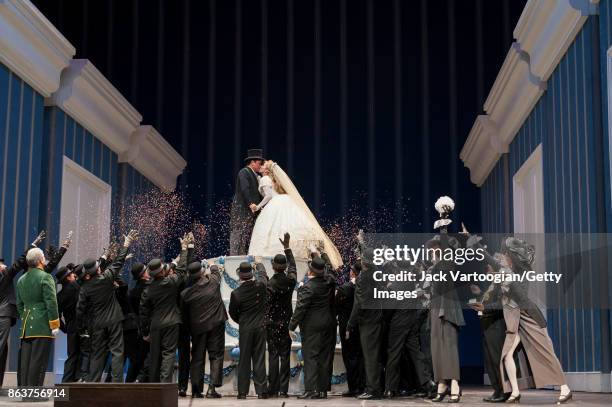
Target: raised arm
(51, 266)
(291, 266)
(115, 268)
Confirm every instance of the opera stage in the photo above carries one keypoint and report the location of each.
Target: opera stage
(472, 397)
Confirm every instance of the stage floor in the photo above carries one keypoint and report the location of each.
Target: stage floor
(472, 397)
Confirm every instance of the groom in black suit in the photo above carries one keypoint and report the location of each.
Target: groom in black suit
(244, 203)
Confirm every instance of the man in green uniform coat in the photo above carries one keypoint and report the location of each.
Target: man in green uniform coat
(37, 307)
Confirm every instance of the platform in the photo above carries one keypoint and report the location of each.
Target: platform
(472, 397)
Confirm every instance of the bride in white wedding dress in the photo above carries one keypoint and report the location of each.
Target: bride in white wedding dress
(283, 210)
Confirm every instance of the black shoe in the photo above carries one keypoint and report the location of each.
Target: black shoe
(262, 396)
(212, 393)
(369, 396)
(182, 393)
(440, 396)
(390, 394)
(490, 398)
(406, 393)
(197, 396)
(564, 399)
(349, 393)
(283, 395)
(307, 395)
(319, 395)
(241, 396)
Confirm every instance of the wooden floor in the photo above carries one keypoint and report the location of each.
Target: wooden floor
(471, 397)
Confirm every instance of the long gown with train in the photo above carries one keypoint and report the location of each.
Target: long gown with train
(287, 212)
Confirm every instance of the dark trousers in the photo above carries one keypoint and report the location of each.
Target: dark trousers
(252, 345)
(34, 358)
(103, 341)
(84, 358)
(71, 364)
(279, 351)
(213, 342)
(184, 362)
(5, 331)
(316, 353)
(493, 336)
(370, 335)
(241, 228)
(164, 342)
(425, 337)
(404, 339)
(352, 356)
(135, 351)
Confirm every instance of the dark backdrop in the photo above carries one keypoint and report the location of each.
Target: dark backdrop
(365, 103)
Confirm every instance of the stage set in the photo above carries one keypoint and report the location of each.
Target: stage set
(539, 154)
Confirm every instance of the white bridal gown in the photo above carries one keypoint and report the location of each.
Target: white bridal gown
(280, 214)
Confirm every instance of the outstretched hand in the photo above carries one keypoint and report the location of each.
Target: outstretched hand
(464, 229)
(68, 240)
(130, 238)
(285, 240)
(41, 236)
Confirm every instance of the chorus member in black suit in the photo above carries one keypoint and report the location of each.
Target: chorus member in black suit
(244, 204)
(204, 311)
(369, 320)
(351, 346)
(315, 317)
(280, 310)
(99, 309)
(248, 308)
(136, 371)
(160, 315)
(403, 339)
(67, 300)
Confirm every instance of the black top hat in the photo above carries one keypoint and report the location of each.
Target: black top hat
(90, 266)
(317, 265)
(137, 270)
(62, 273)
(245, 271)
(194, 267)
(155, 266)
(254, 154)
(279, 262)
(2, 259)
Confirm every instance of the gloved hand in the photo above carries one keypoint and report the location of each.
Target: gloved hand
(55, 331)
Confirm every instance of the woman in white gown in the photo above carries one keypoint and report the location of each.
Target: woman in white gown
(283, 210)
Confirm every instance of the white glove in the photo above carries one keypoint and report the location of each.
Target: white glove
(55, 331)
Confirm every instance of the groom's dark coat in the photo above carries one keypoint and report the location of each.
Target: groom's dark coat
(242, 219)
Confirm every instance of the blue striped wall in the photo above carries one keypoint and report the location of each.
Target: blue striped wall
(565, 122)
(21, 130)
